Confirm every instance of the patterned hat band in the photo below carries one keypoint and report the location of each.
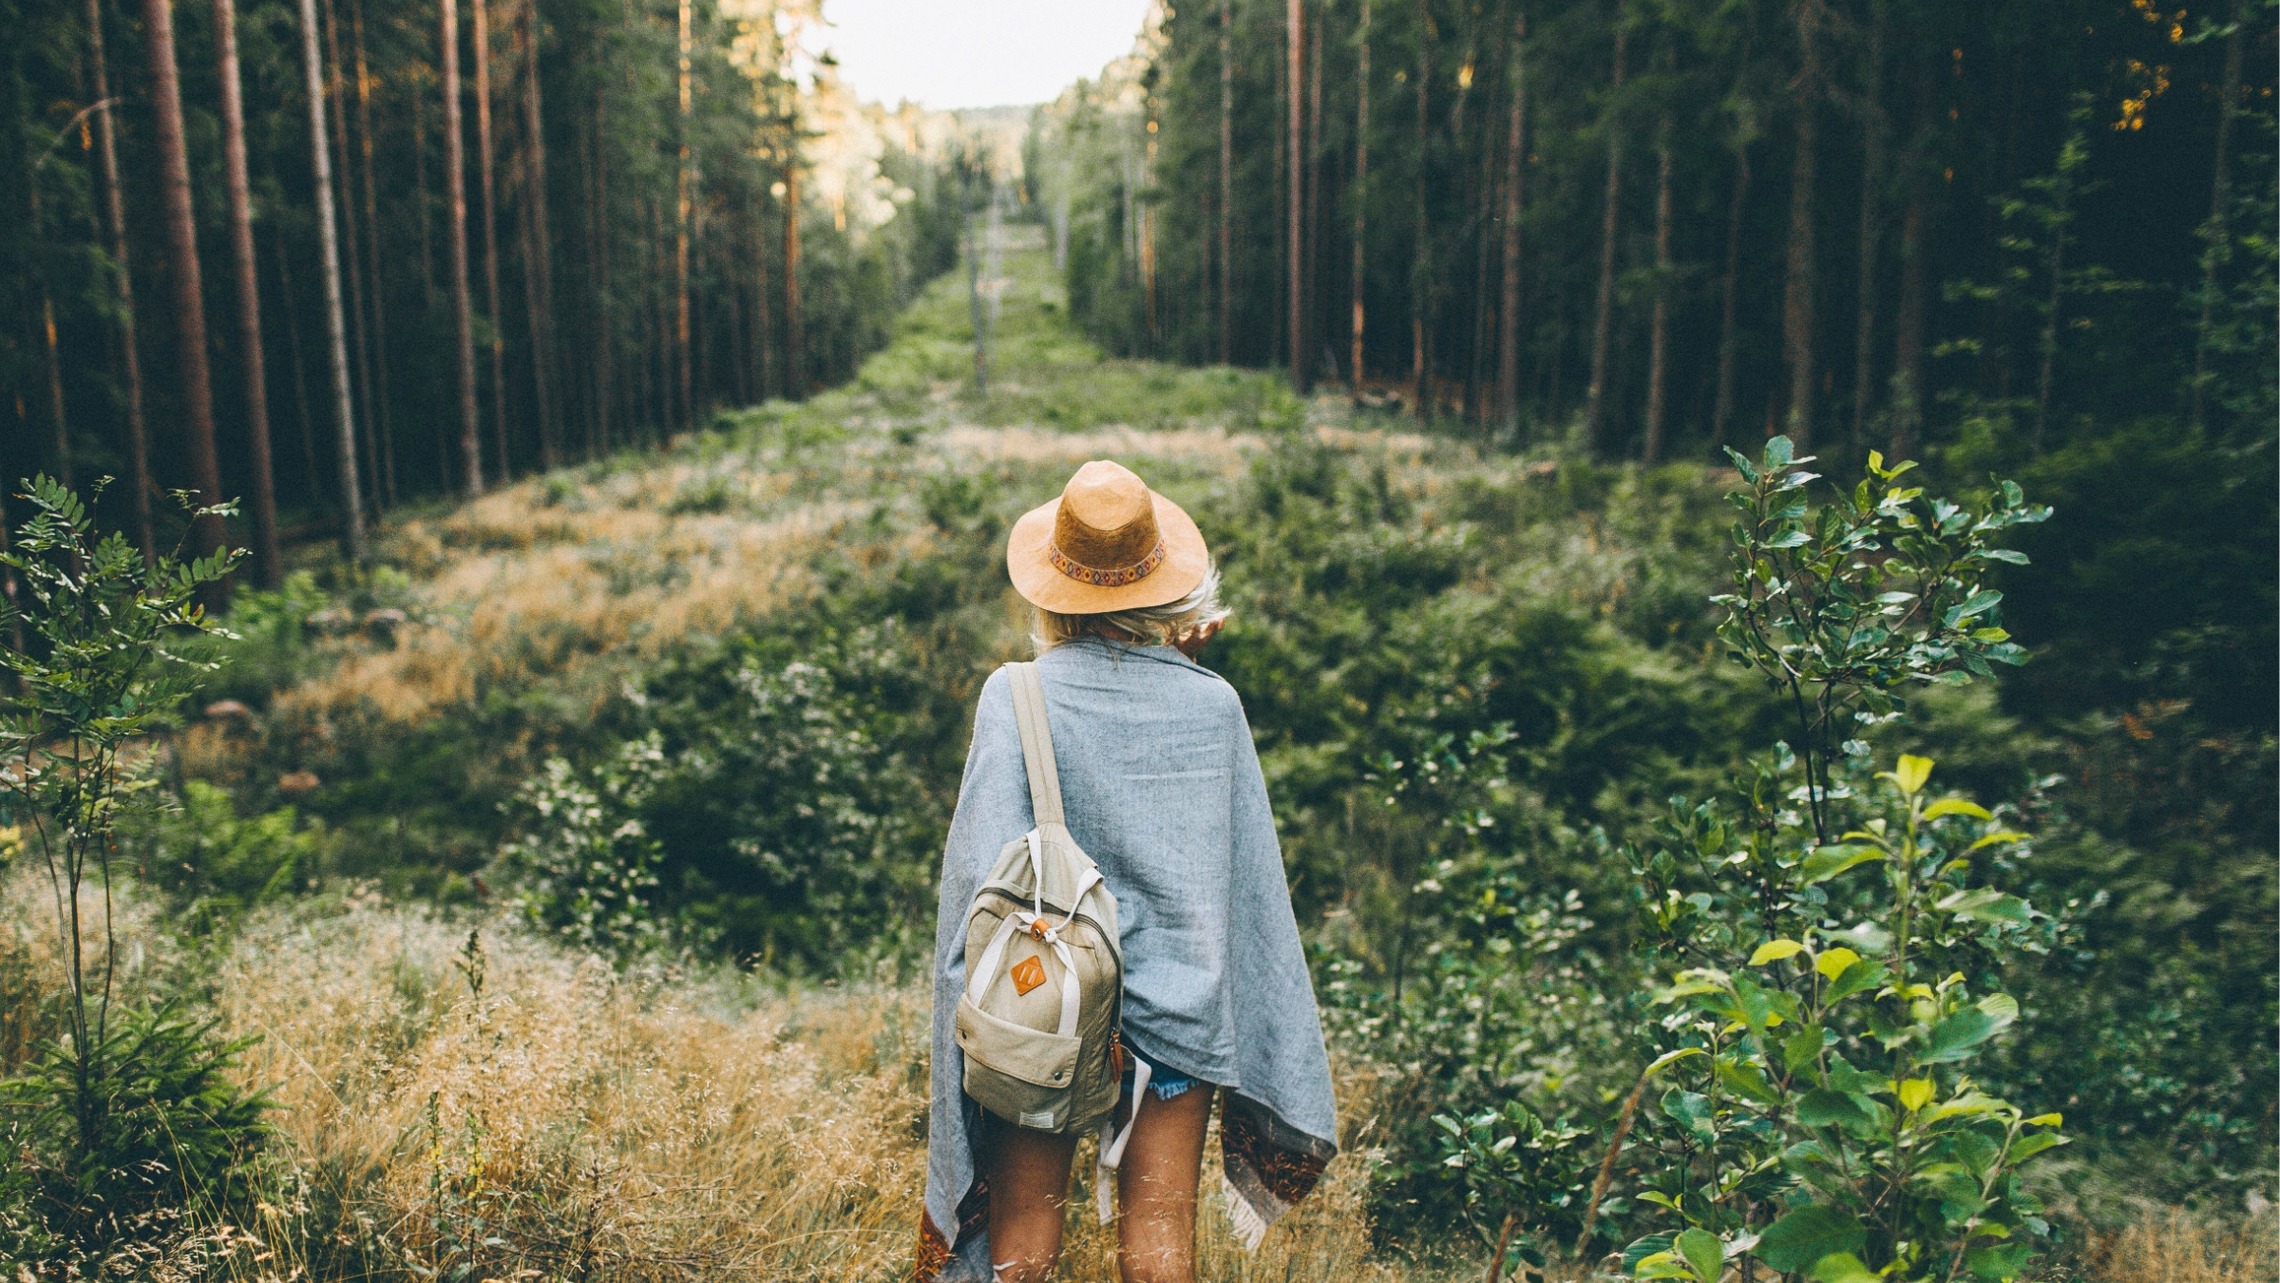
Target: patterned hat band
(1116, 578)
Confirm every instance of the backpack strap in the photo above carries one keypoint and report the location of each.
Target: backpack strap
(1036, 743)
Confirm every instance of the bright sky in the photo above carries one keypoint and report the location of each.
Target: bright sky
(975, 53)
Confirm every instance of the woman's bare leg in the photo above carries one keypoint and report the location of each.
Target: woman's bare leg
(1157, 1189)
(1028, 1173)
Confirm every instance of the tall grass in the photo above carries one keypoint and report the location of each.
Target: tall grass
(462, 1096)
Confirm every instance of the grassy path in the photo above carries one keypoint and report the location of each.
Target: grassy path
(625, 557)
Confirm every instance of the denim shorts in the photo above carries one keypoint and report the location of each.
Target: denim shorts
(1164, 1083)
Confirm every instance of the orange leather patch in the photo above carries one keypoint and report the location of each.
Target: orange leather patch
(1028, 974)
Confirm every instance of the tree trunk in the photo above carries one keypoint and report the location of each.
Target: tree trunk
(684, 180)
(1227, 184)
(1658, 334)
(662, 348)
(1515, 171)
(601, 335)
(361, 325)
(1421, 255)
(2046, 344)
(312, 480)
(763, 302)
(455, 202)
(487, 184)
(380, 423)
(123, 289)
(1361, 197)
(1915, 275)
(1800, 281)
(1722, 408)
(1603, 317)
(426, 199)
(1873, 130)
(2216, 234)
(538, 254)
(1310, 300)
(363, 275)
(208, 535)
(59, 425)
(268, 562)
(1480, 224)
(795, 337)
(1294, 31)
(336, 327)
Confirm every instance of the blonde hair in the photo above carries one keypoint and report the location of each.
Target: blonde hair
(1161, 625)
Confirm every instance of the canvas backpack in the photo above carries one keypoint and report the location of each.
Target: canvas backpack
(1039, 1020)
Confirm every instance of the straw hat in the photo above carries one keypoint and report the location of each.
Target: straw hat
(1108, 543)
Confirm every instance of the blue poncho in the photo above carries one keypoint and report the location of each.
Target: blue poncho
(1162, 788)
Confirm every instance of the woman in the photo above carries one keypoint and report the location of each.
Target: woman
(1161, 786)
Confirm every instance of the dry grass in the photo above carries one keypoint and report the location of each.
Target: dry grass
(655, 1126)
(2178, 1247)
(535, 590)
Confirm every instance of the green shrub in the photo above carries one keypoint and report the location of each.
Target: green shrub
(220, 864)
(1837, 941)
(794, 820)
(584, 864)
(149, 1122)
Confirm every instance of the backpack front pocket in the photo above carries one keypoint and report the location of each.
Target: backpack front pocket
(1020, 1074)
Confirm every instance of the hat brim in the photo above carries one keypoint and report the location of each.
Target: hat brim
(1028, 561)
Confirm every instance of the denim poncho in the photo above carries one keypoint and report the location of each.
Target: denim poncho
(1162, 788)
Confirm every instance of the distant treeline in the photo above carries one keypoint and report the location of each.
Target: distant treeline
(508, 234)
(1680, 223)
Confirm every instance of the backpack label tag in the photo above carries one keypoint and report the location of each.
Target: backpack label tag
(1027, 975)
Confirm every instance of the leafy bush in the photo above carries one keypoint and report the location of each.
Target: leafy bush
(219, 863)
(1822, 1118)
(586, 864)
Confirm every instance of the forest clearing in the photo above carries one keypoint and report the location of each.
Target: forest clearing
(1750, 534)
(465, 1089)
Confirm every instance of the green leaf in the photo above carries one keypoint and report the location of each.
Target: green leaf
(1821, 1107)
(1669, 1058)
(1999, 1262)
(1978, 603)
(1984, 904)
(1747, 1081)
(1775, 951)
(1829, 861)
(2027, 1147)
(1807, 1236)
(2047, 1120)
(2002, 836)
(1956, 806)
(1832, 962)
(1953, 1038)
(1843, 1267)
(1642, 1248)
(1703, 1252)
(1661, 1265)
(1803, 1050)
(1912, 774)
(2002, 1008)
(1691, 1111)
(1863, 975)
(1915, 1093)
